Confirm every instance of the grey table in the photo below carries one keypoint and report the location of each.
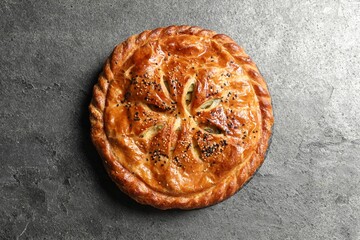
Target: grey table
(52, 183)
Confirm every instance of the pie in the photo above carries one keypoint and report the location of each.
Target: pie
(181, 117)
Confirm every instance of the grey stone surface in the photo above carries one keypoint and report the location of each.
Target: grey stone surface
(52, 183)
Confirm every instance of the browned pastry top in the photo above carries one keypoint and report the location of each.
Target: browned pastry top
(181, 117)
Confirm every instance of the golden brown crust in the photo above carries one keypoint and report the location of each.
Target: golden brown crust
(181, 117)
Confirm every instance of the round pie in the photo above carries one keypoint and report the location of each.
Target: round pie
(181, 117)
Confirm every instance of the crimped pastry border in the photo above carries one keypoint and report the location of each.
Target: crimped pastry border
(134, 186)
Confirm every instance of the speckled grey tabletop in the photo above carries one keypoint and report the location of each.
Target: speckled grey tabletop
(52, 183)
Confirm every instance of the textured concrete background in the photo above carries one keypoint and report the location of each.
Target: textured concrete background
(52, 183)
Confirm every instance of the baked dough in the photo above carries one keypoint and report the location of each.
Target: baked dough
(181, 117)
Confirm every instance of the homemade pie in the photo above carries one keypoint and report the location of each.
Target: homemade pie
(181, 117)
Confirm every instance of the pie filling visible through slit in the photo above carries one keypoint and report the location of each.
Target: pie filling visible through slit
(181, 117)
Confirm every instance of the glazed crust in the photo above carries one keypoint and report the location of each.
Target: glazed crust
(181, 117)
